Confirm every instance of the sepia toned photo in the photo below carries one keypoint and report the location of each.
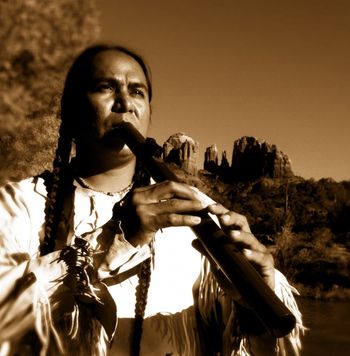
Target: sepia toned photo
(175, 178)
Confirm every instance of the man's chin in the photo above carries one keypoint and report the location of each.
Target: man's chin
(113, 141)
(117, 146)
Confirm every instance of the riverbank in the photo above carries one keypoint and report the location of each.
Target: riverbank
(317, 293)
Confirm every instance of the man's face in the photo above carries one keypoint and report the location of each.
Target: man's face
(117, 91)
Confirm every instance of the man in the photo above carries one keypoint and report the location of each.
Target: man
(108, 244)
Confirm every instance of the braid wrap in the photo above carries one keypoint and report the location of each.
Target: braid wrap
(142, 178)
(140, 306)
(60, 180)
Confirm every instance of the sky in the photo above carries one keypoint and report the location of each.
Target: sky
(278, 70)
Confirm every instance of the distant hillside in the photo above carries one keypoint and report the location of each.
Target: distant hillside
(305, 223)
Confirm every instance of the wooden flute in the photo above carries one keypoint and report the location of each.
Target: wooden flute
(239, 272)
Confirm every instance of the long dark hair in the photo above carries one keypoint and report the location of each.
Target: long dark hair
(61, 180)
(77, 75)
(72, 93)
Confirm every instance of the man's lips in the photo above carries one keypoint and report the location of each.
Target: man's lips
(115, 131)
(116, 120)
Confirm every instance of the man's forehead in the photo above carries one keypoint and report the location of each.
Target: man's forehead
(112, 63)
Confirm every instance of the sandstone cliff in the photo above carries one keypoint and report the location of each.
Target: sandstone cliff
(183, 151)
(211, 161)
(253, 159)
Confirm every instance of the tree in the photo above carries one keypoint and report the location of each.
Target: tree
(39, 39)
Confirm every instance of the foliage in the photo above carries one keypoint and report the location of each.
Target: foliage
(39, 39)
(305, 222)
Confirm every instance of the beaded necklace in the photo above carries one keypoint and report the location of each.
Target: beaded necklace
(85, 184)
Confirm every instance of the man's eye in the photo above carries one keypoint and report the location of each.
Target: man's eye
(138, 92)
(104, 87)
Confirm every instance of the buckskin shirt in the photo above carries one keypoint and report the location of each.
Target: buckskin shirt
(35, 291)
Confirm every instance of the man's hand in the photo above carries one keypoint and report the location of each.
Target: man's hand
(158, 206)
(236, 226)
(172, 204)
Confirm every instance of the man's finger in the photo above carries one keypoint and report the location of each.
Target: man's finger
(163, 191)
(258, 258)
(217, 209)
(228, 218)
(263, 262)
(246, 240)
(177, 206)
(168, 220)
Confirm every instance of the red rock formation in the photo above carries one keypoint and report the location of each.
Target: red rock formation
(183, 151)
(253, 159)
(211, 159)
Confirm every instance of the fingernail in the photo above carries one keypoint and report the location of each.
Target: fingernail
(196, 219)
(225, 218)
(247, 252)
(236, 233)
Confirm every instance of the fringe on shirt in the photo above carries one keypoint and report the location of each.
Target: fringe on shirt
(80, 334)
(75, 333)
(213, 304)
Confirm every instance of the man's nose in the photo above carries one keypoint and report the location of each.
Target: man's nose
(122, 103)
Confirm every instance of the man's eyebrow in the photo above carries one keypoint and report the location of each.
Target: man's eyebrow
(138, 85)
(104, 78)
(132, 84)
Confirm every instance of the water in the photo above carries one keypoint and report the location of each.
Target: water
(329, 324)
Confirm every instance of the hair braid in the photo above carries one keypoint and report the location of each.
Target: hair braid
(141, 178)
(140, 306)
(55, 189)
